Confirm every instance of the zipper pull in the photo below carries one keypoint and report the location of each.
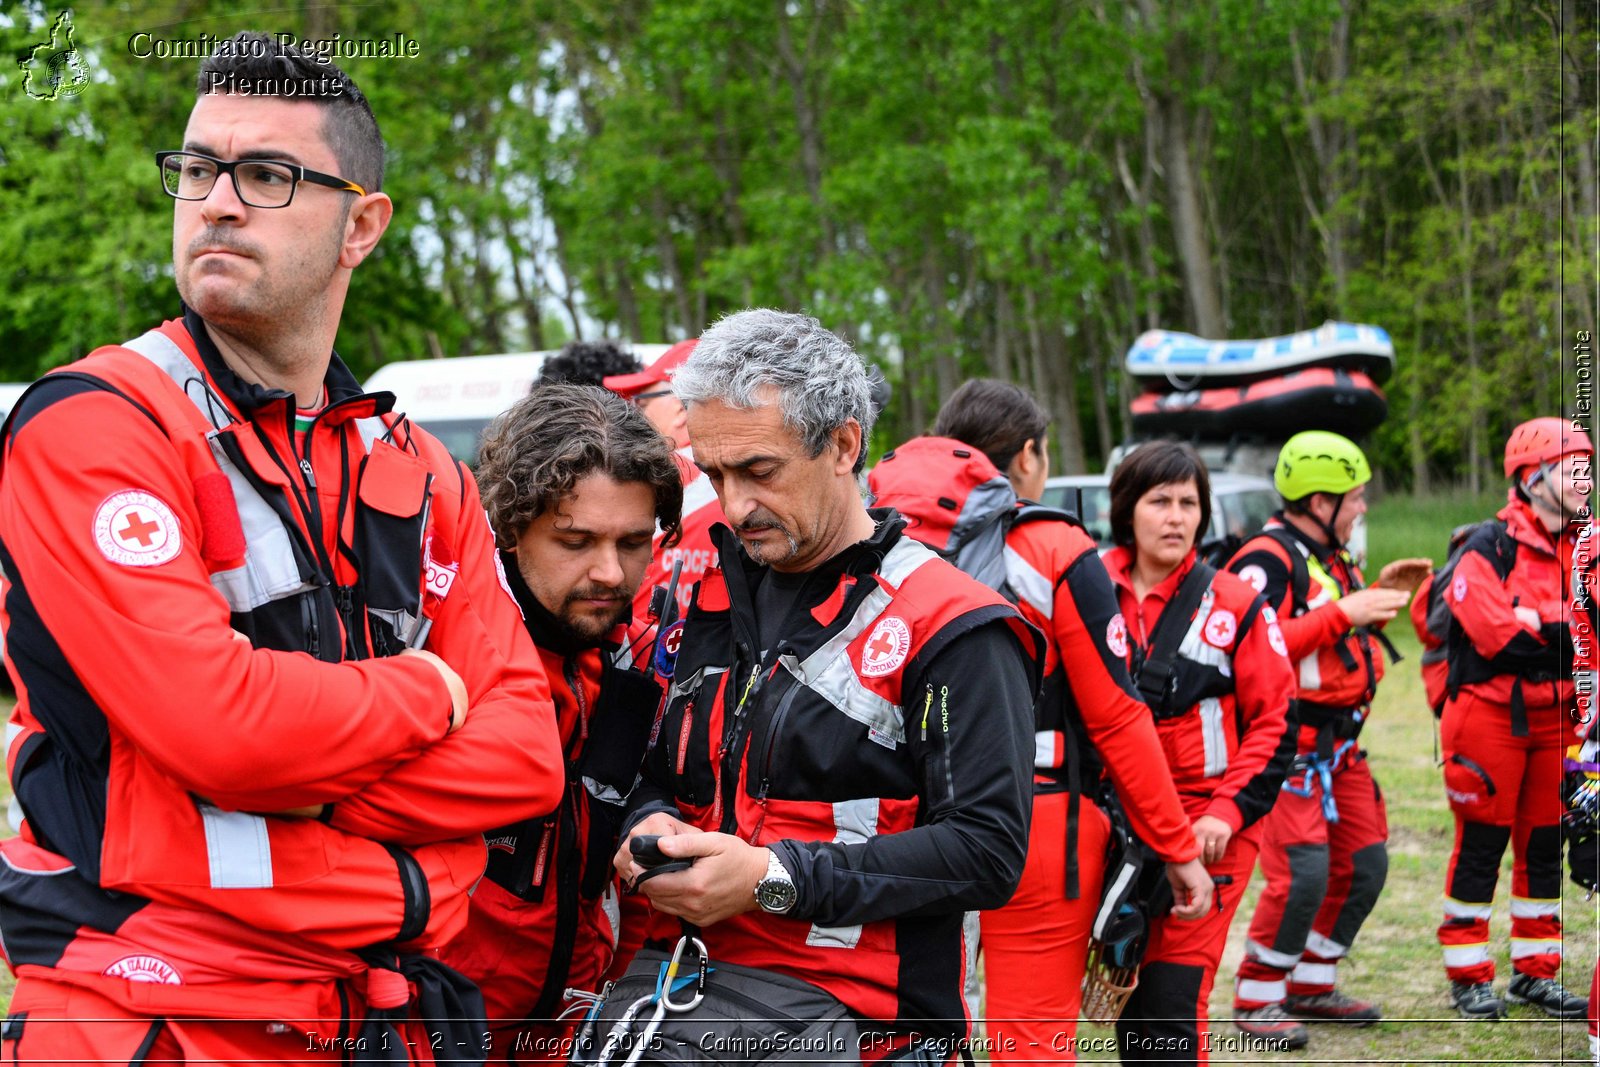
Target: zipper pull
(926, 704)
(305, 468)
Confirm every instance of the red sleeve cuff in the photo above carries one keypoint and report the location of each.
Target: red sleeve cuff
(1226, 810)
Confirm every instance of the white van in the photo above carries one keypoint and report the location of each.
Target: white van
(10, 393)
(455, 398)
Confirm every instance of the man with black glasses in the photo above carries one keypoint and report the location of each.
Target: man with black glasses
(271, 684)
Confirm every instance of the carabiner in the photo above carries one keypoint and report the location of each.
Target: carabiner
(668, 979)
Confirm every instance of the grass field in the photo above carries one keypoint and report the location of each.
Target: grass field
(1396, 960)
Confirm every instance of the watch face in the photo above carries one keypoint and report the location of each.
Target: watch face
(776, 895)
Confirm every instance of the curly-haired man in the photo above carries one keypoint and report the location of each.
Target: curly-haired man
(575, 481)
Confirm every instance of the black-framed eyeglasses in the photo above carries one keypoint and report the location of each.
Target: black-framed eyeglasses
(639, 398)
(259, 182)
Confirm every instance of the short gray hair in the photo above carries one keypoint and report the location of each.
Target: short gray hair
(821, 382)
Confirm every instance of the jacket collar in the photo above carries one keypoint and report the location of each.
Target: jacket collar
(1524, 524)
(1119, 565)
(248, 397)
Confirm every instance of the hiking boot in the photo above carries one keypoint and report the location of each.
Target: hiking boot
(1476, 1000)
(1271, 1024)
(1548, 994)
(1333, 1007)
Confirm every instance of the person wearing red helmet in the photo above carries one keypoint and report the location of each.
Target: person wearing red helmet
(1510, 685)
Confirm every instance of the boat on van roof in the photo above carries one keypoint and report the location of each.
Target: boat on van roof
(455, 398)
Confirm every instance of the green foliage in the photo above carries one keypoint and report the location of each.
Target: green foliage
(981, 188)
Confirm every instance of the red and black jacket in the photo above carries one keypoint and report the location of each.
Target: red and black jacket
(1088, 702)
(605, 704)
(1338, 667)
(882, 748)
(1490, 652)
(1224, 718)
(169, 701)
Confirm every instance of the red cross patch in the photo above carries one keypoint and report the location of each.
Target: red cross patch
(886, 647)
(1117, 636)
(136, 529)
(1274, 631)
(1255, 576)
(1221, 627)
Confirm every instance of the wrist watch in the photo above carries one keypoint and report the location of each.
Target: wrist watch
(775, 892)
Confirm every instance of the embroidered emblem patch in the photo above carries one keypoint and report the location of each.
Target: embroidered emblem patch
(886, 647)
(1274, 632)
(1458, 588)
(1221, 627)
(1256, 577)
(666, 661)
(1117, 636)
(144, 969)
(136, 529)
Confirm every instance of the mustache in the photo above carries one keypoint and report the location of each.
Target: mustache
(599, 592)
(214, 238)
(760, 520)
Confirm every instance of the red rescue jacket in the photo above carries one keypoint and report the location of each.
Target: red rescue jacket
(1491, 652)
(1339, 668)
(701, 511)
(202, 622)
(1228, 735)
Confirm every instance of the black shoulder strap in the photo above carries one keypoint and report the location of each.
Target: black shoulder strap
(1030, 512)
(1505, 546)
(1299, 570)
(1154, 678)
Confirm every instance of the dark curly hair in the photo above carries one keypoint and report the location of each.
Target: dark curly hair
(587, 362)
(536, 453)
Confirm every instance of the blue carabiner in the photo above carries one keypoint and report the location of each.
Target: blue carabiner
(1330, 810)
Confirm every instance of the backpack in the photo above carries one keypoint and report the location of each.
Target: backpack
(1431, 617)
(957, 503)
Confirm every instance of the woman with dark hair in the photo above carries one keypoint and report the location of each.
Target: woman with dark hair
(1207, 654)
(1087, 717)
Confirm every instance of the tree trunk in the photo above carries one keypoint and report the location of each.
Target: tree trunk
(529, 297)
(627, 303)
(1097, 382)
(794, 66)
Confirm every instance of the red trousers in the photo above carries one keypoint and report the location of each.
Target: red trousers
(1502, 789)
(1166, 1015)
(54, 1022)
(1323, 879)
(1034, 947)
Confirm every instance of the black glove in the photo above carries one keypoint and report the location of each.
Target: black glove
(1583, 858)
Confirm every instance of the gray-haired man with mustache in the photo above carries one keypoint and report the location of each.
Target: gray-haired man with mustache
(847, 746)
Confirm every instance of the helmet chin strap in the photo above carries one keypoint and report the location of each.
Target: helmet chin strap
(1548, 499)
(1327, 527)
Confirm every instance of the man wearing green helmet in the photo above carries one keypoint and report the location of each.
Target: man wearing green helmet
(1324, 854)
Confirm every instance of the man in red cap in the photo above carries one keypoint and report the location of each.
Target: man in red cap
(651, 392)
